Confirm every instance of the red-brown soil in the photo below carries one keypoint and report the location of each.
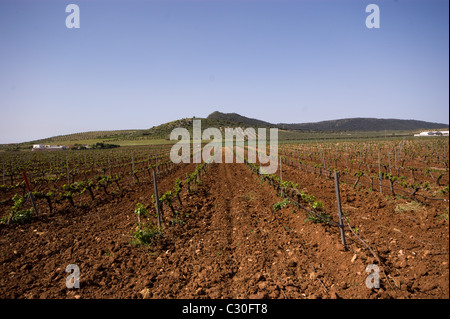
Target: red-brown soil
(232, 245)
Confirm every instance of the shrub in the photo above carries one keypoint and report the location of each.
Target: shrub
(281, 204)
(17, 215)
(145, 233)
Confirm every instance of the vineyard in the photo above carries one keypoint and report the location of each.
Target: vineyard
(139, 226)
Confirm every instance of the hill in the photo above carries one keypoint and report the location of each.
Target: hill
(350, 124)
(365, 124)
(159, 134)
(236, 118)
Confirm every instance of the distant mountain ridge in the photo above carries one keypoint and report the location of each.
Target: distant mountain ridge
(349, 124)
(288, 131)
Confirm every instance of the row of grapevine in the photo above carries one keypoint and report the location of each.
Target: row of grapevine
(432, 183)
(147, 230)
(42, 165)
(54, 190)
(401, 159)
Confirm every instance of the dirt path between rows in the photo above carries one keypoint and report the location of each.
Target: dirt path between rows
(235, 246)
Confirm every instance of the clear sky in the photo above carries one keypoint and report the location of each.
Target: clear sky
(137, 64)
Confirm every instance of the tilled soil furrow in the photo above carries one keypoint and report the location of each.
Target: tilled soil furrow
(248, 251)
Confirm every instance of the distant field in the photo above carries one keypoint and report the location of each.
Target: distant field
(300, 136)
(160, 135)
(128, 142)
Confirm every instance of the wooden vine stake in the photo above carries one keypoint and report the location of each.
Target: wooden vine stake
(338, 198)
(30, 193)
(157, 199)
(389, 159)
(281, 175)
(379, 171)
(132, 167)
(67, 171)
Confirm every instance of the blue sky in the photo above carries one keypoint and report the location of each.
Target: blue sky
(136, 64)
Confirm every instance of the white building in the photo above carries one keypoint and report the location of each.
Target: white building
(41, 147)
(435, 133)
